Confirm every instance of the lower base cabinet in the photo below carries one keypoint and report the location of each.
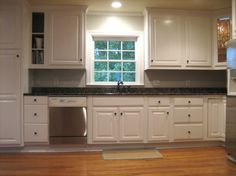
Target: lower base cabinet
(188, 132)
(118, 119)
(36, 133)
(36, 119)
(216, 118)
(118, 124)
(159, 119)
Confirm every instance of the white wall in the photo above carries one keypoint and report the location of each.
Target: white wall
(115, 23)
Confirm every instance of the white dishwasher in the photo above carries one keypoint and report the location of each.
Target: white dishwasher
(67, 120)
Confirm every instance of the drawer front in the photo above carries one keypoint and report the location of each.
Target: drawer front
(118, 101)
(188, 114)
(67, 101)
(188, 101)
(185, 131)
(36, 133)
(158, 101)
(36, 100)
(35, 113)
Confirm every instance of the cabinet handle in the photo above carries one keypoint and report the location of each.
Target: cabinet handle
(35, 100)
(189, 115)
(187, 61)
(35, 114)
(35, 133)
(152, 60)
(189, 132)
(167, 113)
(81, 60)
(159, 102)
(115, 113)
(17, 55)
(189, 102)
(121, 113)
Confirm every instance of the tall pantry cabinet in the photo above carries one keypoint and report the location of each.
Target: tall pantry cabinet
(12, 13)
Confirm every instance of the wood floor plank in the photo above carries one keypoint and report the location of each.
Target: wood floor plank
(210, 161)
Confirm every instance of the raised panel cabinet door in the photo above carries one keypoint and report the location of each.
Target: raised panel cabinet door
(131, 124)
(198, 41)
(10, 24)
(216, 118)
(10, 106)
(65, 38)
(167, 40)
(158, 123)
(105, 124)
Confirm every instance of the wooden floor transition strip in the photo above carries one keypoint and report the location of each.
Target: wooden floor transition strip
(131, 154)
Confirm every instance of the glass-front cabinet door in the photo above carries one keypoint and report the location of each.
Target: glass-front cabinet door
(223, 36)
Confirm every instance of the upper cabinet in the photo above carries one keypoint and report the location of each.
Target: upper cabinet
(221, 34)
(198, 41)
(165, 40)
(178, 39)
(10, 28)
(59, 39)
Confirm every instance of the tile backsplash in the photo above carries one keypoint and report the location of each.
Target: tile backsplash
(57, 78)
(152, 78)
(185, 78)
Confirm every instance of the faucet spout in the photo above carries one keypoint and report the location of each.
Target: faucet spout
(118, 85)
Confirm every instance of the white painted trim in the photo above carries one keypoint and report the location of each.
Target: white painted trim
(98, 13)
(139, 54)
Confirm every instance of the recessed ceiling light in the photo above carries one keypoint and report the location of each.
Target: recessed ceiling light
(116, 4)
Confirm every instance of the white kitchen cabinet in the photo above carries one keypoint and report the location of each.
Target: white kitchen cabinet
(178, 39)
(188, 131)
(233, 19)
(10, 24)
(10, 98)
(36, 119)
(66, 31)
(198, 41)
(166, 40)
(63, 37)
(105, 124)
(159, 114)
(188, 118)
(113, 124)
(131, 124)
(117, 119)
(216, 118)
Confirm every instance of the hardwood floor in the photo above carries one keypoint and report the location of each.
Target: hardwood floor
(210, 161)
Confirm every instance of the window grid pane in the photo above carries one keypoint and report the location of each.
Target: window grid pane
(119, 57)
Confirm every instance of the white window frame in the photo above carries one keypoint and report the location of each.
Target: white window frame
(104, 36)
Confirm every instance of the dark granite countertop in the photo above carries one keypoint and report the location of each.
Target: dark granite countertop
(75, 91)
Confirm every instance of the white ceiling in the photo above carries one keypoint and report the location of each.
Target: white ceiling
(139, 5)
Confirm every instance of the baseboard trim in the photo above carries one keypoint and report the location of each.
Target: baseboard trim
(100, 147)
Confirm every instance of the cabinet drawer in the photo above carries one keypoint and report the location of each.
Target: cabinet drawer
(35, 113)
(159, 101)
(36, 133)
(188, 131)
(36, 100)
(118, 101)
(188, 101)
(188, 114)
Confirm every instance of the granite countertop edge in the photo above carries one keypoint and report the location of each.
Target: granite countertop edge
(59, 91)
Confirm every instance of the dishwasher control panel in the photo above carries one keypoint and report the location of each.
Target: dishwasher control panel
(67, 102)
